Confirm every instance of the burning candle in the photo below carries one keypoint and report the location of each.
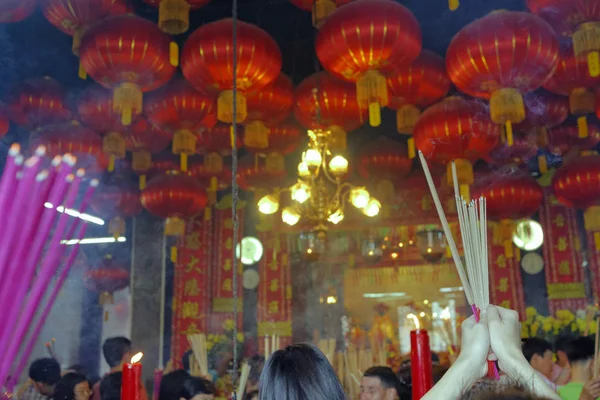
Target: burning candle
(132, 375)
(420, 360)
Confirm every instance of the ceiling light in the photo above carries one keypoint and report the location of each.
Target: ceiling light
(76, 214)
(98, 240)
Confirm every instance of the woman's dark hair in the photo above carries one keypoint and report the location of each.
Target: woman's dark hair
(486, 389)
(110, 386)
(171, 385)
(256, 363)
(65, 388)
(193, 386)
(45, 370)
(299, 372)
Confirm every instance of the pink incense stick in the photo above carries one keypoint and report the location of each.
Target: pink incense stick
(82, 226)
(158, 374)
(9, 177)
(47, 270)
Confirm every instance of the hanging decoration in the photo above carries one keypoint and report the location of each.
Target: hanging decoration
(129, 55)
(384, 29)
(523, 148)
(174, 15)
(117, 200)
(460, 130)
(565, 137)
(494, 58)
(320, 9)
(283, 139)
(415, 87)
(106, 278)
(16, 10)
(206, 64)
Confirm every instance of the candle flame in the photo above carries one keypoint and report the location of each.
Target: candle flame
(137, 357)
(415, 320)
(445, 314)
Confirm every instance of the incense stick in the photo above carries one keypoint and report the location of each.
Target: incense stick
(597, 349)
(243, 380)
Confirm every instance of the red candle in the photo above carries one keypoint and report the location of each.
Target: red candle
(132, 376)
(420, 363)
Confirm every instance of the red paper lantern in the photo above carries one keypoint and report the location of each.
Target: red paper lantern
(118, 201)
(16, 10)
(362, 41)
(524, 148)
(74, 16)
(76, 139)
(261, 177)
(218, 140)
(108, 277)
(175, 197)
(460, 130)
(4, 121)
(321, 9)
(283, 138)
(564, 137)
(267, 107)
(38, 102)
(182, 110)
(579, 20)
(543, 110)
(571, 79)
(199, 171)
(130, 55)
(174, 15)
(206, 63)
(500, 57)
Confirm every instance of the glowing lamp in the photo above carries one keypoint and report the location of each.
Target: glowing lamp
(268, 204)
(303, 170)
(300, 192)
(312, 158)
(290, 216)
(336, 217)
(338, 165)
(359, 197)
(372, 209)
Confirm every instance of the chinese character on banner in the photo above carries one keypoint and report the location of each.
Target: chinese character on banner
(503, 285)
(193, 265)
(190, 310)
(559, 221)
(227, 265)
(562, 244)
(273, 307)
(191, 288)
(501, 261)
(274, 285)
(192, 240)
(227, 285)
(564, 268)
(505, 304)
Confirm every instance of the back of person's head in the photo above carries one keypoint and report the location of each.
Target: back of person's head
(486, 389)
(580, 350)
(171, 385)
(251, 395)
(535, 346)
(115, 349)
(256, 363)
(65, 388)
(194, 386)
(299, 372)
(110, 386)
(386, 378)
(45, 371)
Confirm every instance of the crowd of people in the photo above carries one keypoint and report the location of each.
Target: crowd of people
(532, 369)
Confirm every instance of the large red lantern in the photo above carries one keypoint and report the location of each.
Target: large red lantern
(117, 201)
(321, 9)
(564, 137)
(174, 15)
(571, 79)
(106, 278)
(579, 20)
(509, 197)
(415, 87)
(16, 10)
(38, 102)
(74, 16)
(262, 177)
(500, 57)
(577, 185)
(524, 147)
(206, 64)
(183, 111)
(363, 41)
(130, 55)
(326, 102)
(267, 107)
(460, 130)
(283, 138)
(211, 180)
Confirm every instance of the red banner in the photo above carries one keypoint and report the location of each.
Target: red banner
(562, 256)
(191, 299)
(223, 267)
(274, 313)
(506, 284)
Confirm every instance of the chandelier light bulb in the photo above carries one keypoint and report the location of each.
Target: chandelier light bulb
(338, 165)
(303, 170)
(290, 216)
(268, 204)
(300, 192)
(359, 197)
(312, 158)
(336, 217)
(372, 209)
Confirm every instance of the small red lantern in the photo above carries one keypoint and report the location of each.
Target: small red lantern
(16, 10)
(524, 148)
(571, 79)
(415, 87)
(130, 55)
(283, 138)
(383, 33)
(321, 9)
(460, 130)
(38, 102)
(500, 57)
(108, 277)
(174, 15)
(206, 64)
(118, 201)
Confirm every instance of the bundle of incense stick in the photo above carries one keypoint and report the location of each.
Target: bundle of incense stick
(597, 349)
(199, 363)
(33, 246)
(327, 347)
(472, 220)
(272, 344)
(245, 373)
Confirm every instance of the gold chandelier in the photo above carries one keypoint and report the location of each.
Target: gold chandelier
(320, 194)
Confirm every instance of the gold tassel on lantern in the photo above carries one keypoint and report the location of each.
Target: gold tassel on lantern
(225, 107)
(256, 135)
(506, 108)
(173, 54)
(77, 34)
(174, 226)
(337, 138)
(174, 16)
(321, 10)
(453, 5)
(406, 118)
(506, 229)
(116, 227)
(127, 101)
(464, 173)
(184, 144)
(141, 161)
(372, 92)
(586, 40)
(541, 136)
(113, 144)
(105, 298)
(582, 101)
(542, 164)
(591, 218)
(275, 163)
